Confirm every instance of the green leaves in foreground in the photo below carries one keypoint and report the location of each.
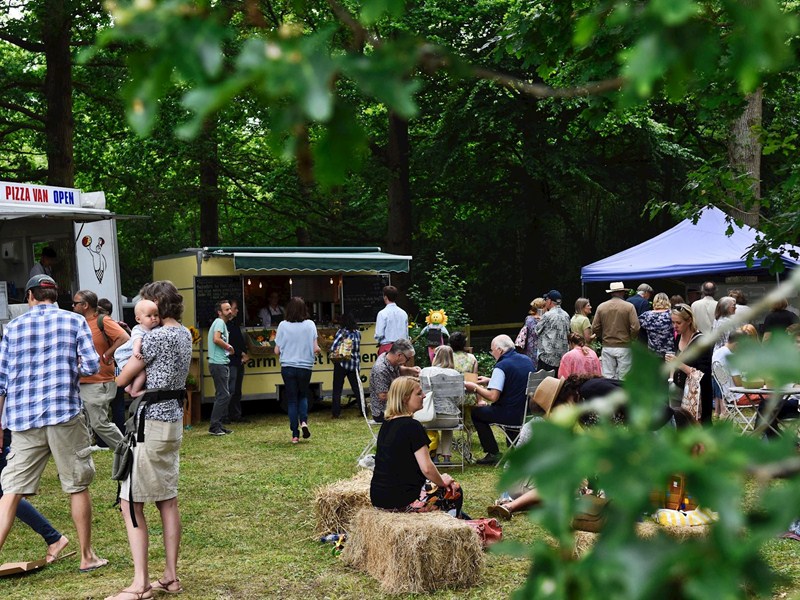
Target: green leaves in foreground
(297, 72)
(628, 463)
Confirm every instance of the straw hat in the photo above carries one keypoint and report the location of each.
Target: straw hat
(547, 392)
(616, 286)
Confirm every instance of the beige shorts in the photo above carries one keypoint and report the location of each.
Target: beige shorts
(67, 442)
(156, 463)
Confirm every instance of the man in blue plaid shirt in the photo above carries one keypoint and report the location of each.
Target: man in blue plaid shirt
(43, 354)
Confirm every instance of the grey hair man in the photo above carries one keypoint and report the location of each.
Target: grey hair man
(641, 299)
(389, 366)
(501, 398)
(705, 308)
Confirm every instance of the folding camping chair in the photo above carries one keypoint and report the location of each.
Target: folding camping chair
(451, 387)
(371, 424)
(511, 432)
(734, 405)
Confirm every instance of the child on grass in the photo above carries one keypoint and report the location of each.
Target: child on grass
(147, 318)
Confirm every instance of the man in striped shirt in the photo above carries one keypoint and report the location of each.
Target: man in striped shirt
(43, 354)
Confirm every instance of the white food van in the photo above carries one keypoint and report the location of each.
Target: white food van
(75, 224)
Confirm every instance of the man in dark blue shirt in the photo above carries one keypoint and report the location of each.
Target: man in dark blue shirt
(504, 397)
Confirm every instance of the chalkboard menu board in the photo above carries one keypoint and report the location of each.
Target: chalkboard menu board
(208, 291)
(363, 296)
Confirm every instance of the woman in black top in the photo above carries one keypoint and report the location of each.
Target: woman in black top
(405, 479)
(778, 319)
(685, 327)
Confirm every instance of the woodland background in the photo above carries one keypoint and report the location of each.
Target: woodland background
(520, 139)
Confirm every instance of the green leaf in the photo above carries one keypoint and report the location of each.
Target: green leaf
(373, 10)
(674, 12)
(340, 149)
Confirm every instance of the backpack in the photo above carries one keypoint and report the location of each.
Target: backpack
(435, 337)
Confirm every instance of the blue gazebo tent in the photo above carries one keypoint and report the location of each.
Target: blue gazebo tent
(687, 249)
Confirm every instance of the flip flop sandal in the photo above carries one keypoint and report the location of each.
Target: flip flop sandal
(163, 586)
(55, 558)
(103, 562)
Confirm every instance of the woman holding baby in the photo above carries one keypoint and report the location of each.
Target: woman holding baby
(166, 352)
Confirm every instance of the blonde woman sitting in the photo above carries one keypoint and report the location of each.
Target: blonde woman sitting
(405, 479)
(447, 409)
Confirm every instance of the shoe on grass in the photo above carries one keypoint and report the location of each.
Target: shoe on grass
(499, 511)
(489, 459)
(306, 432)
(216, 431)
(226, 431)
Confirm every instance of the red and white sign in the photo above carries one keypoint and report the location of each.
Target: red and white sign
(26, 194)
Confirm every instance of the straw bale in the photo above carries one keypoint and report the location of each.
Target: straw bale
(411, 553)
(584, 541)
(337, 502)
(649, 529)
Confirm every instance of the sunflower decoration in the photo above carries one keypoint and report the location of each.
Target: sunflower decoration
(436, 317)
(195, 334)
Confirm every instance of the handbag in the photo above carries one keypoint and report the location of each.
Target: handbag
(522, 337)
(593, 517)
(122, 463)
(488, 530)
(427, 413)
(691, 394)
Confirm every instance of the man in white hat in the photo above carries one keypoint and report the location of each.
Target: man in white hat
(616, 325)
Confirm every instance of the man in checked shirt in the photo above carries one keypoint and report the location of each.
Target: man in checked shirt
(43, 353)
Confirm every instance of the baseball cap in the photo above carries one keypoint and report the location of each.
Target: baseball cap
(42, 281)
(554, 295)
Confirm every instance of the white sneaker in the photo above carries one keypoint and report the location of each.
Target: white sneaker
(98, 448)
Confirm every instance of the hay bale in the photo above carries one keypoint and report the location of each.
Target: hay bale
(336, 503)
(412, 553)
(584, 541)
(650, 529)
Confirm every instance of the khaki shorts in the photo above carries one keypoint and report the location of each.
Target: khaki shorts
(156, 463)
(67, 442)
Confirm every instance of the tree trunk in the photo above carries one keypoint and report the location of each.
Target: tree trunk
(59, 125)
(209, 193)
(398, 237)
(744, 156)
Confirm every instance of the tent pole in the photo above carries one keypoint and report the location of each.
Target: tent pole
(583, 288)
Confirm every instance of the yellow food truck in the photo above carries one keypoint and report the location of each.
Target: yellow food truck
(331, 281)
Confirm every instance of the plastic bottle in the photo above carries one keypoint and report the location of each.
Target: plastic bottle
(331, 538)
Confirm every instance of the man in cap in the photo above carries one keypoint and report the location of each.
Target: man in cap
(641, 299)
(553, 331)
(616, 325)
(42, 354)
(503, 398)
(99, 389)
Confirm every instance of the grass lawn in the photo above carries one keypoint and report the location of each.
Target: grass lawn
(248, 522)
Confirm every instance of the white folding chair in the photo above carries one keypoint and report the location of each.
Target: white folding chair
(451, 387)
(511, 432)
(732, 405)
(371, 424)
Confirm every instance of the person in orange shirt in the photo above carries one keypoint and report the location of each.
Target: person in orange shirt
(98, 390)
